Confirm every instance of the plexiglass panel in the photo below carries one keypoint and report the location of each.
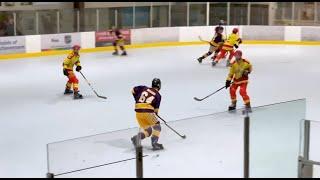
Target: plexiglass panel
(275, 138)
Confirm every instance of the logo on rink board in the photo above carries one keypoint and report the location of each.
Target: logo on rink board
(59, 41)
(12, 44)
(105, 38)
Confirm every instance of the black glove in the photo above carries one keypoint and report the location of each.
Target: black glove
(65, 72)
(246, 72)
(240, 40)
(228, 83)
(78, 68)
(236, 46)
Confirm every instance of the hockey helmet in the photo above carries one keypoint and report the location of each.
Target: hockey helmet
(235, 30)
(156, 83)
(76, 47)
(218, 28)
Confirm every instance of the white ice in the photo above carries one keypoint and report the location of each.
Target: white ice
(35, 112)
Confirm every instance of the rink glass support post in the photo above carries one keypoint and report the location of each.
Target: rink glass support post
(305, 170)
(151, 14)
(248, 13)
(37, 22)
(78, 20)
(246, 145)
(208, 14)
(169, 15)
(139, 158)
(228, 13)
(97, 20)
(134, 15)
(15, 23)
(188, 13)
(58, 21)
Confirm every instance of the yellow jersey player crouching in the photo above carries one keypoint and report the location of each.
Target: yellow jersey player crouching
(68, 64)
(147, 106)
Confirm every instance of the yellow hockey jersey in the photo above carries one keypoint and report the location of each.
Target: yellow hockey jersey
(232, 40)
(72, 60)
(237, 70)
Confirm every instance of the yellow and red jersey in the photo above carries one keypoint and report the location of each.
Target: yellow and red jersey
(232, 40)
(237, 70)
(147, 99)
(73, 59)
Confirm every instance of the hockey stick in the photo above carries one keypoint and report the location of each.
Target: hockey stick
(203, 40)
(198, 99)
(103, 97)
(182, 136)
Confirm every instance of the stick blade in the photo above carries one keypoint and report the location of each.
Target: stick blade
(102, 97)
(197, 99)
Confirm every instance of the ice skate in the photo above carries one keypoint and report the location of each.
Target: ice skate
(77, 96)
(228, 63)
(134, 141)
(200, 59)
(68, 91)
(157, 146)
(248, 108)
(213, 63)
(232, 107)
(124, 53)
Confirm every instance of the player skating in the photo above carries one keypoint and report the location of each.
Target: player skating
(239, 72)
(147, 105)
(232, 42)
(68, 64)
(118, 42)
(215, 44)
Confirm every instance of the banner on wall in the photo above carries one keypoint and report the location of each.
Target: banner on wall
(12, 44)
(59, 41)
(105, 38)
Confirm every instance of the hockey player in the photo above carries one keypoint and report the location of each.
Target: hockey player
(68, 64)
(215, 44)
(239, 72)
(147, 105)
(118, 42)
(232, 42)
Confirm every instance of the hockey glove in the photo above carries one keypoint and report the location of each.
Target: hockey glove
(240, 40)
(246, 72)
(65, 72)
(78, 68)
(236, 46)
(228, 83)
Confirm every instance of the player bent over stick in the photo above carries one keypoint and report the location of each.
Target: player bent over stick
(215, 44)
(147, 106)
(68, 64)
(239, 72)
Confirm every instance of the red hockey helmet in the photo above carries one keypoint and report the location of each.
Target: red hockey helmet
(238, 53)
(76, 47)
(235, 30)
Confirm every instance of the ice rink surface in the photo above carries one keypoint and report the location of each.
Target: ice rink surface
(35, 112)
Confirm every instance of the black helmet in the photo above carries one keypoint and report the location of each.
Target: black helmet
(218, 28)
(156, 83)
